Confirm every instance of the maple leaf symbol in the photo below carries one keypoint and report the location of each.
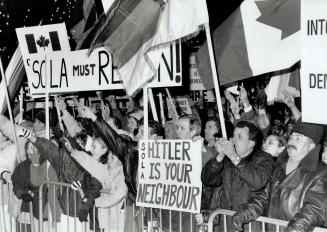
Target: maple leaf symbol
(281, 14)
(42, 42)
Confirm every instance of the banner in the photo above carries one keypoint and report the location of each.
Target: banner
(80, 71)
(313, 61)
(35, 44)
(169, 175)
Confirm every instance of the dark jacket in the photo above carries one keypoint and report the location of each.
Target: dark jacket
(68, 170)
(299, 197)
(22, 184)
(124, 149)
(238, 183)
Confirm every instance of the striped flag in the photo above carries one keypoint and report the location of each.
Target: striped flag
(259, 37)
(134, 29)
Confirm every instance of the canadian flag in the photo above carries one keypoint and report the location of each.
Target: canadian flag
(42, 42)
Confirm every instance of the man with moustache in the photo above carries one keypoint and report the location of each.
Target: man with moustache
(297, 191)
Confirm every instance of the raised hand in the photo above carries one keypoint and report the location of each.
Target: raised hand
(229, 150)
(88, 113)
(60, 103)
(105, 111)
(112, 102)
(244, 97)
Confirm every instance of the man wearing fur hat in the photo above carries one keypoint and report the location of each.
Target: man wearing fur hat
(297, 191)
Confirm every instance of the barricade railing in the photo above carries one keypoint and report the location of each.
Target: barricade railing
(70, 221)
(10, 205)
(139, 219)
(155, 220)
(263, 220)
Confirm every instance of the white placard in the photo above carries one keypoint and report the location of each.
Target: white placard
(35, 44)
(314, 60)
(170, 175)
(195, 79)
(79, 71)
(170, 67)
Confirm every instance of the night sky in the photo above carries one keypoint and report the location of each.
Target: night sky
(20, 13)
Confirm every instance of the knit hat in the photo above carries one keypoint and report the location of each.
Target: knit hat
(312, 131)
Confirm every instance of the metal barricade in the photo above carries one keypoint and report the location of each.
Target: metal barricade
(67, 223)
(264, 220)
(11, 219)
(139, 219)
(155, 220)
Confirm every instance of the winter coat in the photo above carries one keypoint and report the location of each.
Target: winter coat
(68, 170)
(299, 197)
(124, 149)
(22, 184)
(238, 183)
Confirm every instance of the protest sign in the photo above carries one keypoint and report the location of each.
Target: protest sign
(181, 103)
(35, 44)
(313, 60)
(195, 79)
(208, 95)
(79, 71)
(170, 66)
(169, 175)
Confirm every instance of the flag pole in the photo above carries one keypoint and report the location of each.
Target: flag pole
(162, 113)
(9, 108)
(47, 114)
(145, 112)
(172, 103)
(21, 105)
(153, 106)
(215, 80)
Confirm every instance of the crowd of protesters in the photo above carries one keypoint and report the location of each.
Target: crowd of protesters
(269, 165)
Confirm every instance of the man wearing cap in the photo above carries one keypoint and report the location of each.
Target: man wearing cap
(297, 191)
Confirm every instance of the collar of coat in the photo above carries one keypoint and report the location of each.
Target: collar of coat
(308, 163)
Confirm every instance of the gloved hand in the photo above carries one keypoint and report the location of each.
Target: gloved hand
(25, 133)
(82, 215)
(238, 220)
(26, 197)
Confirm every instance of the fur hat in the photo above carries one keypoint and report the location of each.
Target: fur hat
(310, 130)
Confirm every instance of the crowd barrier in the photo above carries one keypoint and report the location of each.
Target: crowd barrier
(141, 219)
(263, 220)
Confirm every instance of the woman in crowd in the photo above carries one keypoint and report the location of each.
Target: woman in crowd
(26, 180)
(106, 168)
(68, 171)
